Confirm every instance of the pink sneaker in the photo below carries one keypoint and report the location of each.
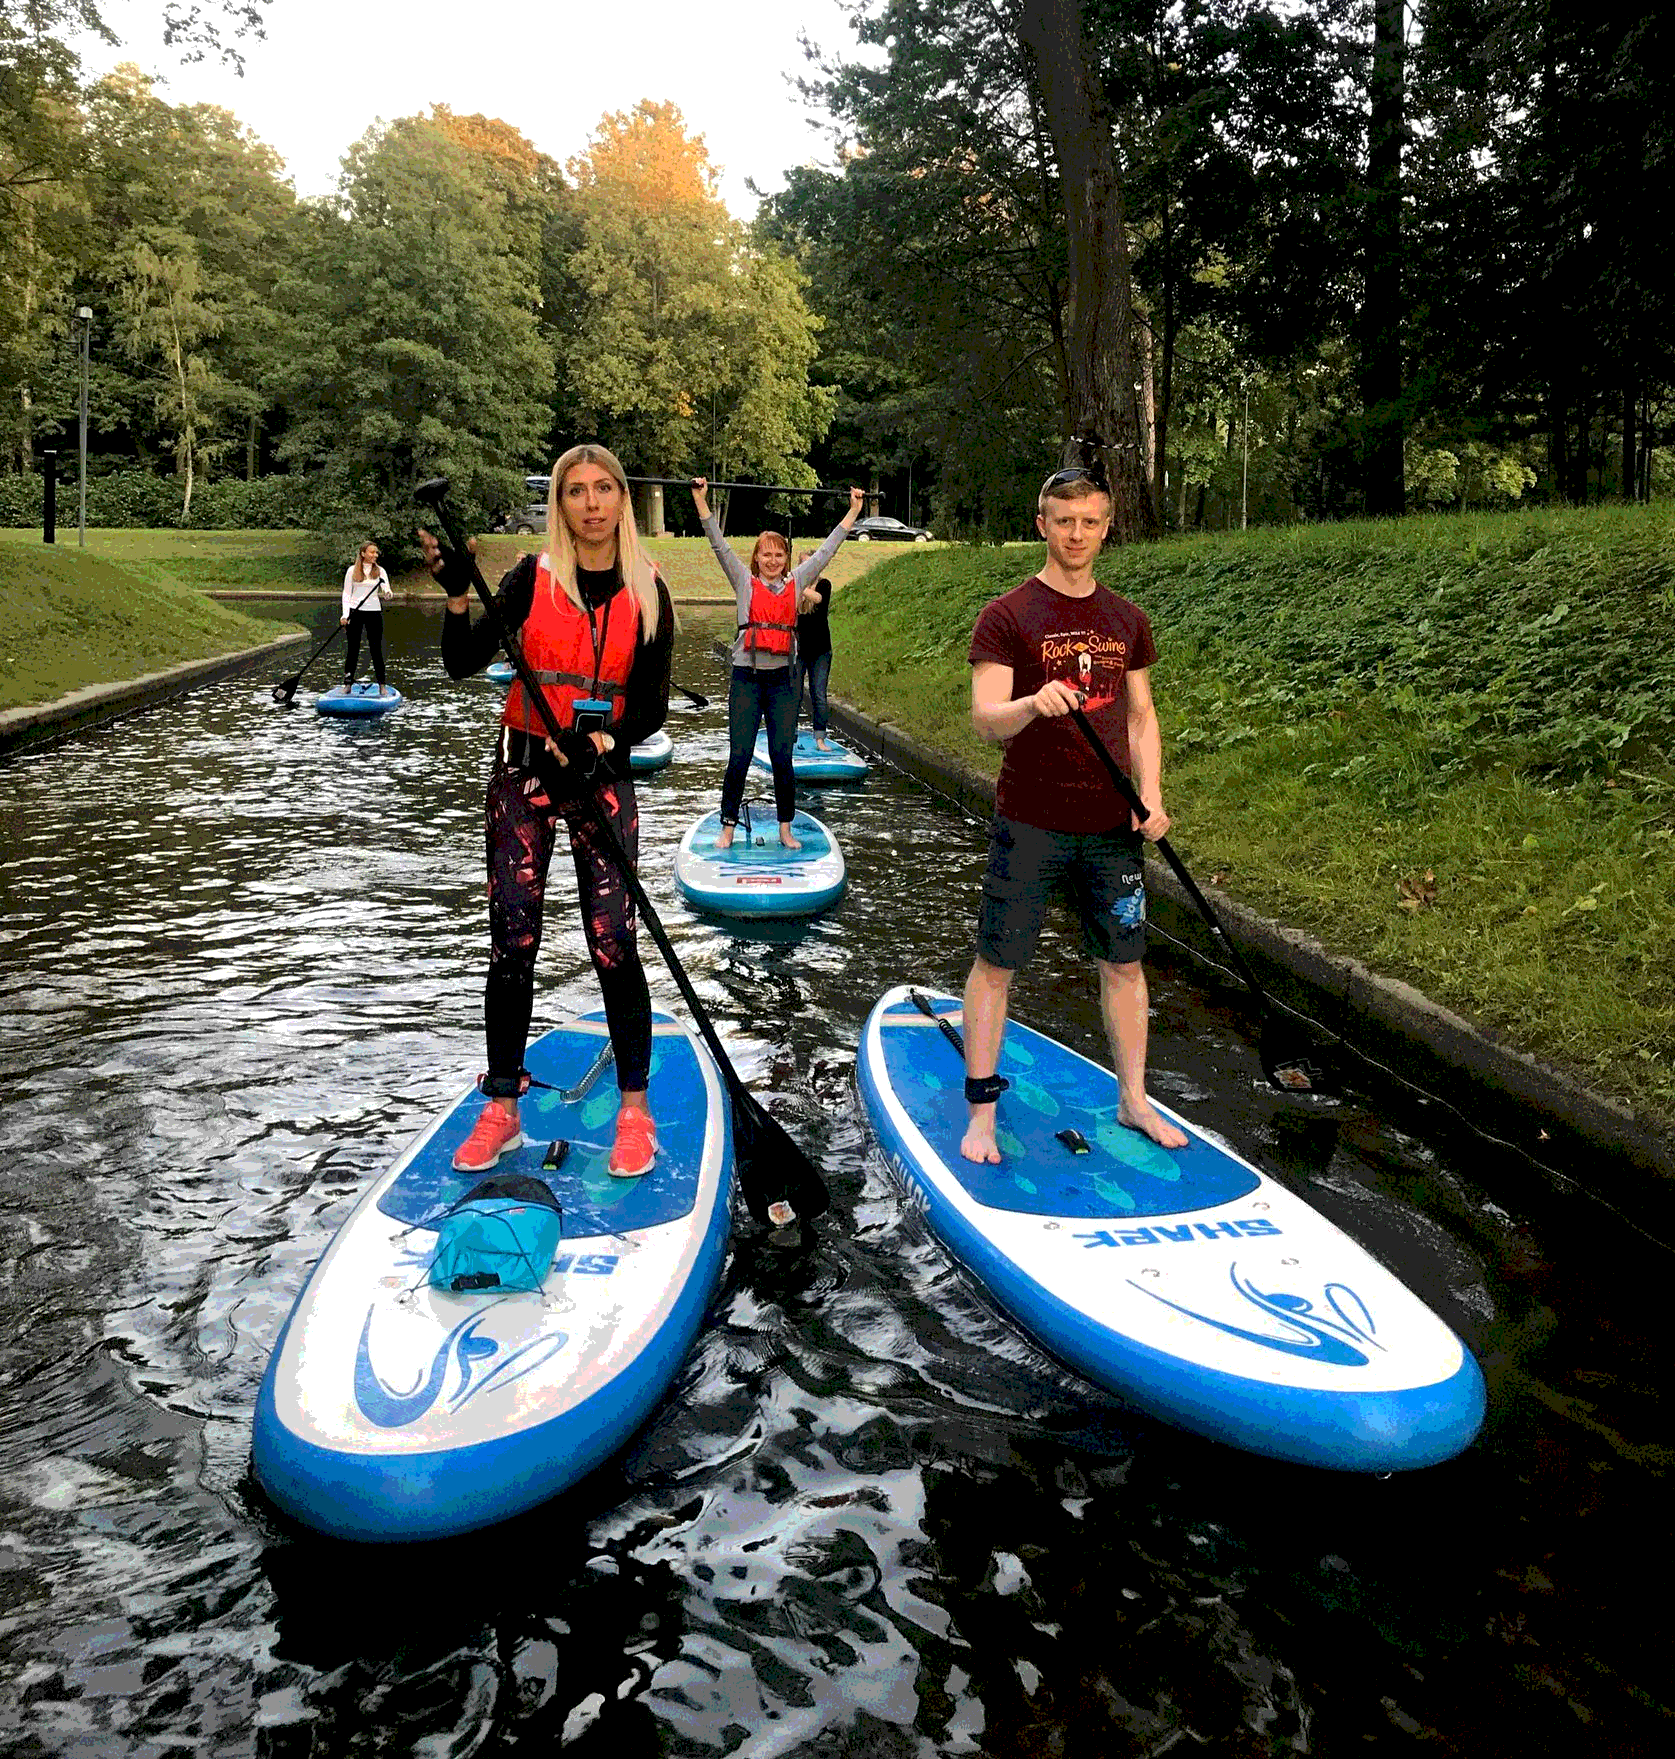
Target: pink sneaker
(495, 1133)
(635, 1147)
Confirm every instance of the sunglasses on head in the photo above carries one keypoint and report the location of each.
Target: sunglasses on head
(1078, 473)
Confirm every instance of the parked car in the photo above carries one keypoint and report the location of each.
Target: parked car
(880, 528)
(532, 515)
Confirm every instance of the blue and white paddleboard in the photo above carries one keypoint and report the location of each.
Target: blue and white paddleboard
(392, 1410)
(1186, 1281)
(358, 701)
(651, 754)
(758, 875)
(500, 671)
(810, 764)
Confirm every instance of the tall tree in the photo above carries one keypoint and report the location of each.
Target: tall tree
(1381, 301)
(414, 348)
(1104, 371)
(684, 344)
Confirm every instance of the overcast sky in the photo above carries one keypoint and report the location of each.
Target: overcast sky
(328, 68)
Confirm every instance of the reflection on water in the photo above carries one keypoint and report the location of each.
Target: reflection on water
(241, 965)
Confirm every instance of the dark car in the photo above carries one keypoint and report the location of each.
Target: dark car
(532, 516)
(881, 529)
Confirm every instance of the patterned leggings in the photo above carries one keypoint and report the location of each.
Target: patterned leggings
(522, 825)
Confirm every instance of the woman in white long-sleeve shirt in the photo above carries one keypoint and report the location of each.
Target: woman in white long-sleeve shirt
(764, 683)
(365, 587)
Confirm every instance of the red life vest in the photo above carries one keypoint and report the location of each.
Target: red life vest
(574, 654)
(773, 618)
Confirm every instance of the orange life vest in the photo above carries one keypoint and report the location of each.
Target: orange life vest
(773, 618)
(574, 654)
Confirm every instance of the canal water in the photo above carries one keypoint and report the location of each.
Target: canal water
(241, 966)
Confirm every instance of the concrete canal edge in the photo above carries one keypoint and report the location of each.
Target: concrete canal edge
(1394, 1035)
(45, 723)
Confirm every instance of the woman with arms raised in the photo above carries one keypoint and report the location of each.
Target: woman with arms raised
(597, 628)
(764, 684)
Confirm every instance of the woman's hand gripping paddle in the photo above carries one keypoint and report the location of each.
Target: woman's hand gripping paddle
(779, 1182)
(286, 688)
(1288, 1061)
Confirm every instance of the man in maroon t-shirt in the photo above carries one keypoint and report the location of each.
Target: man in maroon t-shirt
(1062, 641)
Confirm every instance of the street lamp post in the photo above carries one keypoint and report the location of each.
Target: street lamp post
(84, 317)
(1244, 486)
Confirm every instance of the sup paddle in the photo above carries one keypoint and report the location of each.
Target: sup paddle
(691, 696)
(779, 1182)
(286, 688)
(1288, 1061)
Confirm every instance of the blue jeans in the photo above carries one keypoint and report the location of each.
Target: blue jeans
(815, 672)
(756, 696)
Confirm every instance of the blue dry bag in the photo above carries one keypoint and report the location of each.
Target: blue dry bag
(501, 1236)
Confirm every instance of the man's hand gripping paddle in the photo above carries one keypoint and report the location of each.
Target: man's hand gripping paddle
(779, 1182)
(1288, 1060)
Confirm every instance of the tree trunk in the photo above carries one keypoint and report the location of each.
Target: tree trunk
(1381, 307)
(1103, 368)
(1148, 413)
(1631, 449)
(250, 449)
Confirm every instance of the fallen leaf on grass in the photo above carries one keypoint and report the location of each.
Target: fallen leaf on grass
(1219, 877)
(1414, 894)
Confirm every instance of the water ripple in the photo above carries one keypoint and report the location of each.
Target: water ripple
(241, 964)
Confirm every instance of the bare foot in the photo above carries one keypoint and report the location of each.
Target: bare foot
(979, 1141)
(725, 840)
(822, 743)
(1150, 1122)
(787, 839)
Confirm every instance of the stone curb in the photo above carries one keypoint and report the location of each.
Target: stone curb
(1396, 1036)
(44, 723)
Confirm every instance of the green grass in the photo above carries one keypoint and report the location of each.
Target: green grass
(1490, 700)
(71, 619)
(272, 561)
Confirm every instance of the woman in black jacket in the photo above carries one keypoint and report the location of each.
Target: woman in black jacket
(596, 625)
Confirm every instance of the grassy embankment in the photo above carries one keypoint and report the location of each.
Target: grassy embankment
(131, 603)
(1445, 746)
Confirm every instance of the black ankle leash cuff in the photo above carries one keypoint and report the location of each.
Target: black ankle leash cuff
(984, 1089)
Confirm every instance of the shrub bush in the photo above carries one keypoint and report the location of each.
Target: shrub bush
(137, 498)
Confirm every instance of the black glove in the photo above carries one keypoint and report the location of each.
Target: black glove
(454, 576)
(567, 780)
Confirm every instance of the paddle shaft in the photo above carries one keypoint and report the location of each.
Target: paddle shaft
(1141, 811)
(743, 1099)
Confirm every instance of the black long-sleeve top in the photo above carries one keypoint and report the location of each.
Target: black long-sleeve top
(468, 647)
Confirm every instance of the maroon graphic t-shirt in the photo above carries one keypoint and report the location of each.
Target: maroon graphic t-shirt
(1049, 777)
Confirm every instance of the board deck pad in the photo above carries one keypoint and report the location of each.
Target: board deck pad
(593, 1202)
(810, 764)
(1123, 1173)
(1186, 1281)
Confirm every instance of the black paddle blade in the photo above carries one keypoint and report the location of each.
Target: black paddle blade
(779, 1182)
(1294, 1067)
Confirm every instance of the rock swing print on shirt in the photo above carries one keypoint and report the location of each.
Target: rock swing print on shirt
(1089, 660)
